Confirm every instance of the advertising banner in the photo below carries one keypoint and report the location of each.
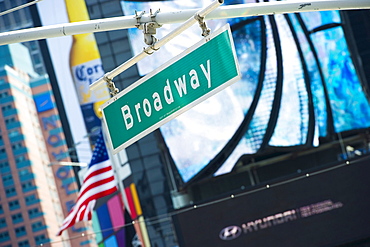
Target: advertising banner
(298, 83)
(86, 67)
(321, 209)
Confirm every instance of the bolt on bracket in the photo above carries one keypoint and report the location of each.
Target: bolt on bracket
(111, 86)
(205, 30)
(149, 28)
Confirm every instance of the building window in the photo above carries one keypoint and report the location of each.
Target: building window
(40, 239)
(17, 146)
(8, 180)
(19, 159)
(1, 209)
(20, 231)
(2, 151)
(38, 226)
(4, 236)
(13, 133)
(33, 46)
(2, 223)
(22, 161)
(36, 58)
(10, 120)
(4, 94)
(24, 174)
(33, 213)
(24, 243)
(17, 17)
(31, 199)
(4, 164)
(10, 191)
(28, 186)
(16, 218)
(6, 107)
(14, 205)
(7, 177)
(2, 6)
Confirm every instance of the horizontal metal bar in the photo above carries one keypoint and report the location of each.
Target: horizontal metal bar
(188, 23)
(230, 11)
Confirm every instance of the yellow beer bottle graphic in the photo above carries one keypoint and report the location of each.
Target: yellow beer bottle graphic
(86, 67)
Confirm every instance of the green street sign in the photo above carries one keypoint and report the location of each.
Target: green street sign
(178, 85)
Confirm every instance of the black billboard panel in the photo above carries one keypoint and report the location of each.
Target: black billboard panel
(325, 208)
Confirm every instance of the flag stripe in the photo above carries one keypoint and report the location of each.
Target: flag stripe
(90, 196)
(72, 217)
(98, 185)
(96, 181)
(97, 167)
(100, 171)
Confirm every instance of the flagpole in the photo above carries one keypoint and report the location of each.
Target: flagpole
(139, 223)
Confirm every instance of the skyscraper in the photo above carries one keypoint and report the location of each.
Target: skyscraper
(34, 143)
(30, 216)
(18, 20)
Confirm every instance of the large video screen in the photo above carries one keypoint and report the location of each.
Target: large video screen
(298, 84)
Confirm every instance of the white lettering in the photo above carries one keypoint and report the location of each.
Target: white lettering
(181, 85)
(168, 93)
(157, 102)
(147, 108)
(194, 82)
(127, 117)
(207, 72)
(137, 107)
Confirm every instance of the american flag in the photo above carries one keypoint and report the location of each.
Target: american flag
(98, 182)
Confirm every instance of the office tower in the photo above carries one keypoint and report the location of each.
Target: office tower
(29, 200)
(60, 161)
(28, 63)
(21, 19)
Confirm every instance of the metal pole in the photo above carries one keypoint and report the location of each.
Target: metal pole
(150, 49)
(67, 163)
(230, 11)
(266, 8)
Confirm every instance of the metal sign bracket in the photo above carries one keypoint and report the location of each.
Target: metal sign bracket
(149, 28)
(111, 86)
(205, 30)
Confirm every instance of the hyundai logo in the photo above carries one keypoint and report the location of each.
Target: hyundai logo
(230, 232)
